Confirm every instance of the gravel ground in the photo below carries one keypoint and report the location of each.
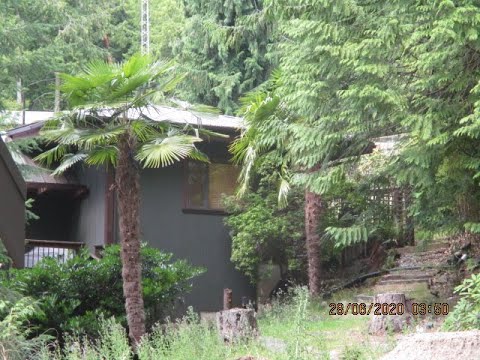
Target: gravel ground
(462, 345)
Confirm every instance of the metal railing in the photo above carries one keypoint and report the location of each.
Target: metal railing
(36, 250)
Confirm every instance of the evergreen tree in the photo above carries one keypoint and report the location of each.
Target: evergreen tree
(441, 158)
(223, 50)
(40, 38)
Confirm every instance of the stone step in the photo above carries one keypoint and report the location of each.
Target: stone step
(434, 247)
(411, 290)
(403, 281)
(406, 276)
(422, 268)
(364, 298)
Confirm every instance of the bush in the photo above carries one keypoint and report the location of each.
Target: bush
(466, 314)
(14, 332)
(75, 293)
(264, 232)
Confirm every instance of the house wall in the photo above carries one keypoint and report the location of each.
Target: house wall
(12, 208)
(89, 223)
(202, 239)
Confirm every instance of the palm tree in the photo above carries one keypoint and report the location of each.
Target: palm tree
(109, 125)
(267, 133)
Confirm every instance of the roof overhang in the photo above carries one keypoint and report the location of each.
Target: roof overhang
(13, 171)
(215, 122)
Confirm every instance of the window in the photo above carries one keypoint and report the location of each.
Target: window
(206, 183)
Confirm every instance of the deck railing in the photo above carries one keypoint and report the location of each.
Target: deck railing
(35, 250)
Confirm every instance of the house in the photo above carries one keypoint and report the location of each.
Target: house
(12, 207)
(181, 208)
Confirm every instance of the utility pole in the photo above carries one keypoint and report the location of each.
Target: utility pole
(145, 28)
(56, 106)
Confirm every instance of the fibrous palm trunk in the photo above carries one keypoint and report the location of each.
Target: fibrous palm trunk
(313, 211)
(128, 192)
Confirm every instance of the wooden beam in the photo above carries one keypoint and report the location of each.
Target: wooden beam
(55, 243)
(76, 190)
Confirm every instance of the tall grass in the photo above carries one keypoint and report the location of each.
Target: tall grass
(191, 339)
(14, 330)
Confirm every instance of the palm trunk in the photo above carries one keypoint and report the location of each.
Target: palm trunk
(313, 211)
(128, 191)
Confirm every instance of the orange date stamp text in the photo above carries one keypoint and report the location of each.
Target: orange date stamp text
(387, 309)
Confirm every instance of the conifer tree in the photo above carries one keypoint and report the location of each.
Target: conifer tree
(223, 51)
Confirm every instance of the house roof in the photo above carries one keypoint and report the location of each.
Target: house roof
(35, 119)
(196, 118)
(12, 169)
(40, 175)
(25, 130)
(30, 116)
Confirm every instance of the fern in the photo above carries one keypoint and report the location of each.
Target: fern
(348, 236)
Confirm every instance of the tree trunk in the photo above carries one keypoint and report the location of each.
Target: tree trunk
(409, 223)
(313, 211)
(236, 324)
(128, 191)
(392, 314)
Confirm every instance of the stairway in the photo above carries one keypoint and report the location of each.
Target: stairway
(415, 270)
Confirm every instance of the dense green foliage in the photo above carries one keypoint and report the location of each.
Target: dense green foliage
(72, 295)
(353, 71)
(42, 37)
(222, 45)
(15, 342)
(223, 49)
(262, 231)
(465, 315)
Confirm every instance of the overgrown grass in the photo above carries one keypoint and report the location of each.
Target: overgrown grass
(295, 329)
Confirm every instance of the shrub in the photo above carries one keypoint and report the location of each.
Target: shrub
(264, 232)
(75, 293)
(14, 344)
(466, 314)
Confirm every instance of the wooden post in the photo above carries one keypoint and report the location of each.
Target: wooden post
(227, 299)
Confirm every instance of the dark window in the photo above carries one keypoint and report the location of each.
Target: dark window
(206, 183)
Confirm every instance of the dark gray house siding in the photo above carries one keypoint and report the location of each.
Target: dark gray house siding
(12, 207)
(202, 239)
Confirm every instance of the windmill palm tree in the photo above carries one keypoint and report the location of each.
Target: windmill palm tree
(267, 133)
(109, 125)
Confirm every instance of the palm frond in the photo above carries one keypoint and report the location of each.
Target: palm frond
(127, 87)
(102, 155)
(68, 161)
(283, 191)
(144, 129)
(63, 132)
(53, 155)
(248, 163)
(100, 136)
(165, 151)
(136, 64)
